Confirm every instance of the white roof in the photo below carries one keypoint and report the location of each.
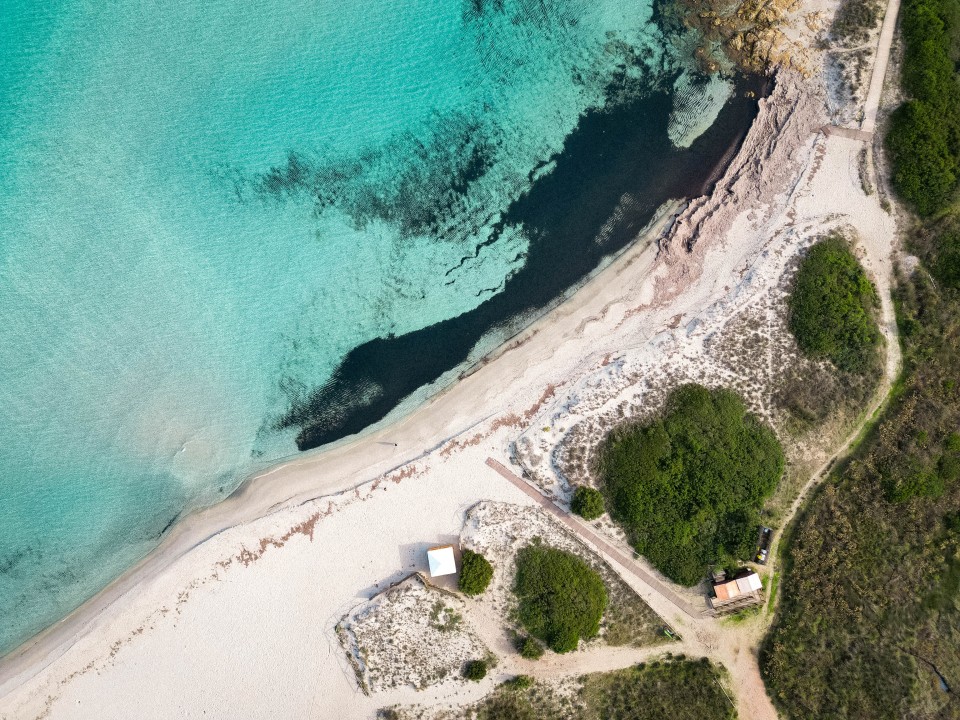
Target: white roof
(441, 561)
(749, 583)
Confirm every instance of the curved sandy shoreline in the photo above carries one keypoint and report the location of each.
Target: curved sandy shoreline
(238, 627)
(449, 413)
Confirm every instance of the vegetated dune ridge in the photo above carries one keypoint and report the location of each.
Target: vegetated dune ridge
(252, 588)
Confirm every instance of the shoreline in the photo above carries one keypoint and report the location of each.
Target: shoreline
(346, 464)
(193, 631)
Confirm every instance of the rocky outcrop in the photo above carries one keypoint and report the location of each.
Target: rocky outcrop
(750, 34)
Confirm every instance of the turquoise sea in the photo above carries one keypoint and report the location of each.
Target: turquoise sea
(221, 221)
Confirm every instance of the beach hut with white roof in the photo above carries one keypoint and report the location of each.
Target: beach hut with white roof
(441, 560)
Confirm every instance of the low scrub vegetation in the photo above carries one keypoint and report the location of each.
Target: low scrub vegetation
(946, 242)
(562, 599)
(519, 682)
(688, 487)
(854, 20)
(833, 308)
(475, 670)
(869, 619)
(677, 689)
(475, 573)
(924, 135)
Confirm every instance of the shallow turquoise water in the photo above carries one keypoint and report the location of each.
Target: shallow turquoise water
(165, 299)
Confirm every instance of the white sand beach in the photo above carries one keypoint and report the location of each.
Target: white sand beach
(234, 614)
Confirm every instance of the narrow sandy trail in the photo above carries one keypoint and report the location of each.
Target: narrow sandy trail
(880, 63)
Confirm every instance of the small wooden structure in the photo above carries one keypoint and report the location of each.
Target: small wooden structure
(737, 593)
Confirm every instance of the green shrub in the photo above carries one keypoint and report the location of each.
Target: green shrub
(587, 502)
(832, 308)
(946, 267)
(924, 168)
(475, 573)
(519, 682)
(924, 135)
(475, 670)
(688, 487)
(561, 598)
(529, 648)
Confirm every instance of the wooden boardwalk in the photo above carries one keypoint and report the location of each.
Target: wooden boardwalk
(603, 546)
(851, 133)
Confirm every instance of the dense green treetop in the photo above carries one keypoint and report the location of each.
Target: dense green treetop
(475, 670)
(475, 573)
(587, 502)
(562, 599)
(924, 167)
(924, 135)
(832, 307)
(688, 487)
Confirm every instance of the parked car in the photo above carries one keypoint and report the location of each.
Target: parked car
(762, 552)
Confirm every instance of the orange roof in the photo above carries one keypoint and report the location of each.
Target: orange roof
(728, 590)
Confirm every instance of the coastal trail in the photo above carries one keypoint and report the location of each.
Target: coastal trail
(881, 61)
(604, 547)
(701, 634)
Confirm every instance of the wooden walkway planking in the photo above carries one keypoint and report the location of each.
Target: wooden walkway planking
(603, 546)
(851, 133)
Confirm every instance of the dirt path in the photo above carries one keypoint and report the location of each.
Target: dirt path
(880, 62)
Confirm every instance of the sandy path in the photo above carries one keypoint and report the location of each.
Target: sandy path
(880, 62)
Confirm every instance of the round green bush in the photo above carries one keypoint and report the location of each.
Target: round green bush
(475, 670)
(587, 502)
(688, 487)
(562, 599)
(530, 648)
(832, 308)
(475, 573)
